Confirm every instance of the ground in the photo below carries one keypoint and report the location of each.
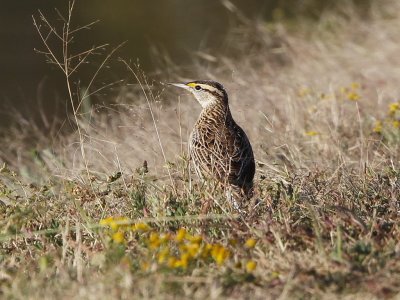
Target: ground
(113, 210)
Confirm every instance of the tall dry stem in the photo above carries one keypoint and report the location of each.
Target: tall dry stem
(70, 61)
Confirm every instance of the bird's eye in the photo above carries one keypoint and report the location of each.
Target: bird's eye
(197, 87)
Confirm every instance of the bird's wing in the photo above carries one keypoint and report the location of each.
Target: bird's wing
(241, 156)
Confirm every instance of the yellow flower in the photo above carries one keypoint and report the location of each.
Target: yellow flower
(275, 274)
(106, 221)
(355, 85)
(378, 127)
(140, 227)
(182, 247)
(118, 237)
(110, 221)
(183, 261)
(154, 237)
(180, 235)
(250, 243)
(219, 253)
(311, 133)
(192, 249)
(179, 264)
(154, 240)
(115, 222)
(394, 107)
(194, 238)
(163, 255)
(206, 250)
(165, 237)
(251, 266)
(353, 96)
(171, 262)
(396, 124)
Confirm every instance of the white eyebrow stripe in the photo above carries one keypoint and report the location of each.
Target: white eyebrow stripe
(211, 88)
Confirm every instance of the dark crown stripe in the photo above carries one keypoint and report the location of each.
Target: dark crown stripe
(214, 93)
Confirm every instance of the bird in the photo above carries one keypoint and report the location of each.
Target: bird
(218, 147)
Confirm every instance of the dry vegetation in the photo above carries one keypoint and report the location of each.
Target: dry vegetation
(320, 103)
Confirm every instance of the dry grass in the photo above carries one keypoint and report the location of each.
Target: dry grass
(327, 222)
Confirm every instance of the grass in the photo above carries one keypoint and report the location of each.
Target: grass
(82, 215)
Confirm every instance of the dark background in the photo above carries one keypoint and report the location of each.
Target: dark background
(177, 28)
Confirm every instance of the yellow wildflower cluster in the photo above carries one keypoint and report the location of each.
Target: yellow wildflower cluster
(351, 92)
(120, 225)
(378, 127)
(391, 120)
(394, 108)
(180, 249)
(251, 265)
(250, 243)
(175, 250)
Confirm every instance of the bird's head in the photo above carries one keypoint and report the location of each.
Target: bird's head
(207, 92)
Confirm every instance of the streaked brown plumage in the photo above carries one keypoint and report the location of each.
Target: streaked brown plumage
(218, 147)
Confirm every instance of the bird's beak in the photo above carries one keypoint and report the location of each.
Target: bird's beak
(179, 85)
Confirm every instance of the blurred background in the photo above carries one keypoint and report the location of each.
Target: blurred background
(177, 29)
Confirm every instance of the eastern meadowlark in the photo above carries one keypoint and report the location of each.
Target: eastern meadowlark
(218, 147)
